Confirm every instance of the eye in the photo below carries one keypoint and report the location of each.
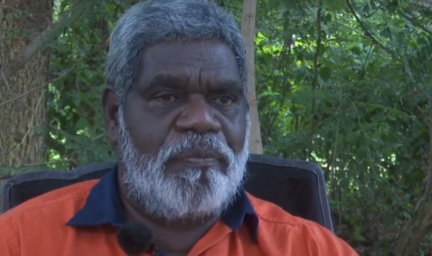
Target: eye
(224, 100)
(165, 98)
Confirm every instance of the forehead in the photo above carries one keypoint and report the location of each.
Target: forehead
(209, 61)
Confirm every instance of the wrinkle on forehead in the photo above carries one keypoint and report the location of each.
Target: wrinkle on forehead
(197, 62)
(209, 52)
(212, 80)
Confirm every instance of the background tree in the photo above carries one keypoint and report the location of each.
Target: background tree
(248, 32)
(344, 83)
(23, 102)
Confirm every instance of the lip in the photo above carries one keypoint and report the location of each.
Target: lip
(196, 161)
(199, 157)
(201, 153)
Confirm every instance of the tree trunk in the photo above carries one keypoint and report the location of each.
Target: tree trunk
(23, 96)
(416, 230)
(248, 31)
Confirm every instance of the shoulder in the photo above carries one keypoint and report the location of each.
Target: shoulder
(48, 211)
(288, 230)
(56, 200)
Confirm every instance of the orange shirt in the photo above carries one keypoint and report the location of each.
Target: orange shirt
(82, 220)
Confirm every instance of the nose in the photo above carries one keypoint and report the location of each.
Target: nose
(198, 116)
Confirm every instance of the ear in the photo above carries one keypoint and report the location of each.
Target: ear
(110, 112)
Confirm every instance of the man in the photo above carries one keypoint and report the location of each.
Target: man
(175, 107)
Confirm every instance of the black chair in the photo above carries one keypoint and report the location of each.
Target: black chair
(296, 186)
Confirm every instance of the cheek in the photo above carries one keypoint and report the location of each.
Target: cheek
(144, 138)
(235, 133)
(146, 131)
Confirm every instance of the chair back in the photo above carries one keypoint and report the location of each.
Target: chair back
(296, 186)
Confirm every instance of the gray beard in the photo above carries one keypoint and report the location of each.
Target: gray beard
(181, 195)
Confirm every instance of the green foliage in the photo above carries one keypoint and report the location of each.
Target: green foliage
(346, 84)
(77, 132)
(358, 105)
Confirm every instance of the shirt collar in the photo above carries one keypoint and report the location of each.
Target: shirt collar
(103, 206)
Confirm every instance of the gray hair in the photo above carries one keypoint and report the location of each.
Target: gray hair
(156, 21)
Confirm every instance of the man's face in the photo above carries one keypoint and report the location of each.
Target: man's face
(183, 131)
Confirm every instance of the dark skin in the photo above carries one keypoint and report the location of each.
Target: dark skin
(183, 86)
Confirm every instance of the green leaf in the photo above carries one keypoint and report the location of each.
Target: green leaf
(81, 124)
(325, 73)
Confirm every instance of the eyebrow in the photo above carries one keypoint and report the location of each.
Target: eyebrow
(227, 85)
(178, 82)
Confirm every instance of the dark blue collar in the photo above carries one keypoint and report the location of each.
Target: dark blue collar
(103, 206)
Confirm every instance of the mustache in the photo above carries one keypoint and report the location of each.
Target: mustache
(193, 140)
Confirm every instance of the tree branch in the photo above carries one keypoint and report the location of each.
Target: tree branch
(368, 34)
(315, 67)
(12, 67)
(286, 50)
(416, 23)
(22, 95)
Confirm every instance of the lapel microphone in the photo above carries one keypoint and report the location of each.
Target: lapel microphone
(135, 239)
